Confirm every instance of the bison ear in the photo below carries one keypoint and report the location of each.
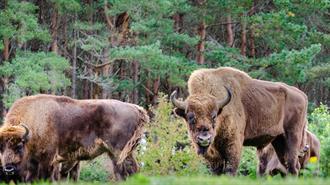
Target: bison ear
(180, 112)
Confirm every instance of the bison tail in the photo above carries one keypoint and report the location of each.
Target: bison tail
(134, 141)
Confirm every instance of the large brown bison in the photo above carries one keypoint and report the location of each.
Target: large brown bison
(41, 132)
(227, 109)
(269, 163)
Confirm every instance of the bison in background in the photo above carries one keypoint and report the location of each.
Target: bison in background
(227, 109)
(42, 132)
(269, 163)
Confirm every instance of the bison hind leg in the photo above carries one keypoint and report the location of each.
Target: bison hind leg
(70, 170)
(121, 171)
(286, 150)
(280, 147)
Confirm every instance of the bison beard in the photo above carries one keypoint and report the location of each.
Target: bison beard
(232, 110)
(201, 150)
(64, 130)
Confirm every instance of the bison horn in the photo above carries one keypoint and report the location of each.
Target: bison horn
(27, 131)
(177, 103)
(224, 102)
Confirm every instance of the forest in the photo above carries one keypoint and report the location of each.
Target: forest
(141, 51)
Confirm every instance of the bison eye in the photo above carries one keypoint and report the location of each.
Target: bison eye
(19, 147)
(191, 118)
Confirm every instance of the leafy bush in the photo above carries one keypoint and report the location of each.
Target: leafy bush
(320, 126)
(95, 170)
(167, 149)
(249, 162)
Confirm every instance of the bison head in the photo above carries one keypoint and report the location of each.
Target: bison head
(12, 147)
(200, 113)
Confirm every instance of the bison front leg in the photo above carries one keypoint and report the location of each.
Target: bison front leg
(232, 158)
(217, 166)
(216, 161)
(294, 143)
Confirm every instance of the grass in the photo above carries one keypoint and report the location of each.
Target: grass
(205, 180)
(223, 180)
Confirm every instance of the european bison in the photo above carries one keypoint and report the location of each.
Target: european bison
(227, 109)
(42, 131)
(269, 163)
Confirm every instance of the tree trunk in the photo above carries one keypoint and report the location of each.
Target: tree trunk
(122, 74)
(54, 21)
(5, 57)
(5, 40)
(178, 22)
(6, 48)
(108, 19)
(96, 87)
(135, 78)
(74, 63)
(41, 9)
(122, 24)
(86, 89)
(65, 30)
(148, 87)
(252, 44)
(243, 44)
(106, 73)
(230, 33)
(155, 90)
(201, 43)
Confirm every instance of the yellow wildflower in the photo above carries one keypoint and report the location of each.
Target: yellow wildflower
(291, 14)
(313, 159)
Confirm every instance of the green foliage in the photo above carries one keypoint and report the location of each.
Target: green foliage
(320, 126)
(320, 73)
(167, 150)
(67, 5)
(152, 58)
(202, 179)
(277, 30)
(248, 163)
(288, 66)
(32, 73)
(95, 170)
(18, 21)
(223, 180)
(226, 56)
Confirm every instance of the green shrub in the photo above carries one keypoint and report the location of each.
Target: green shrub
(167, 150)
(320, 126)
(249, 162)
(95, 170)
